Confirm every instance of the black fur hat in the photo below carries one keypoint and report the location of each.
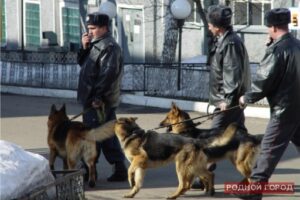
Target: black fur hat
(97, 19)
(277, 16)
(219, 15)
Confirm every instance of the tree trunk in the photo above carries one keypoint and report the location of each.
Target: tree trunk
(207, 33)
(170, 37)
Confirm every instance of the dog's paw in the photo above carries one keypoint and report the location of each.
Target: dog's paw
(129, 195)
(171, 197)
(212, 192)
(92, 184)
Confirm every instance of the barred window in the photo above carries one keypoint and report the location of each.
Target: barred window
(194, 17)
(32, 24)
(249, 12)
(71, 25)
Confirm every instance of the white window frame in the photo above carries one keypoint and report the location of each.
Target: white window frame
(251, 1)
(24, 21)
(5, 14)
(61, 6)
(193, 12)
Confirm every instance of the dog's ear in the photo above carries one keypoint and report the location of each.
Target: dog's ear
(133, 119)
(121, 120)
(173, 105)
(63, 108)
(53, 109)
(175, 109)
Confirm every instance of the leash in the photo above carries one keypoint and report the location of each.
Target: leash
(83, 112)
(100, 114)
(198, 123)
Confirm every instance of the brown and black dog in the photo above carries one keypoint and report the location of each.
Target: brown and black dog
(73, 141)
(241, 150)
(151, 149)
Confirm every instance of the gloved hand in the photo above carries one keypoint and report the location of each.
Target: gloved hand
(223, 106)
(242, 103)
(97, 103)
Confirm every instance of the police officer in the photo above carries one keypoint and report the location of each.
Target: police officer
(101, 63)
(277, 79)
(229, 69)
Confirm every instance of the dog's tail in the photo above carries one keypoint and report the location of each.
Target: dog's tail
(223, 138)
(103, 132)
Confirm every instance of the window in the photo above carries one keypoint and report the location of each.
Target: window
(32, 25)
(249, 12)
(92, 2)
(3, 23)
(71, 25)
(194, 16)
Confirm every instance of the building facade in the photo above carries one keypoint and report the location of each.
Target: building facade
(54, 25)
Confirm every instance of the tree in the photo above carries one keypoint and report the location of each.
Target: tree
(170, 36)
(171, 33)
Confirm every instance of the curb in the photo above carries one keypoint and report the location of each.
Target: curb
(250, 111)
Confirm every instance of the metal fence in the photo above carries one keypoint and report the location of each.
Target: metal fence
(59, 71)
(161, 80)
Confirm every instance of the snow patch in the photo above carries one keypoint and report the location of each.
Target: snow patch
(21, 171)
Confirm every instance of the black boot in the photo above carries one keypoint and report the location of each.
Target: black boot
(120, 173)
(211, 167)
(252, 194)
(198, 184)
(249, 196)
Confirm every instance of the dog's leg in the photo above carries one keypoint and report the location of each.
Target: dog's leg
(210, 179)
(65, 163)
(244, 162)
(205, 183)
(89, 156)
(181, 177)
(131, 175)
(92, 172)
(52, 157)
(71, 163)
(207, 177)
(139, 174)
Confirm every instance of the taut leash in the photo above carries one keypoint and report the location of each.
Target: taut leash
(81, 113)
(208, 115)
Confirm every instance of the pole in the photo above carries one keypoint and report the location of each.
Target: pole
(22, 30)
(180, 24)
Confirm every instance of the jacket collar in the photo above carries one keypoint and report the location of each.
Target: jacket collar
(222, 37)
(283, 37)
(108, 34)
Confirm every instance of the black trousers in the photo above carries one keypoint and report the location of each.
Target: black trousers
(110, 147)
(223, 119)
(275, 141)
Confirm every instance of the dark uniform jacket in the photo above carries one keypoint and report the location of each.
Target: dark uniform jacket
(278, 79)
(101, 69)
(230, 72)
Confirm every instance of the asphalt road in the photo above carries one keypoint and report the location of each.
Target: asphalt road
(24, 118)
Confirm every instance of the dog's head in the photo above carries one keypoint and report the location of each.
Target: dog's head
(174, 116)
(57, 116)
(124, 127)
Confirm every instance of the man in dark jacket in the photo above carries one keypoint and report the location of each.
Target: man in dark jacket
(101, 63)
(277, 79)
(229, 68)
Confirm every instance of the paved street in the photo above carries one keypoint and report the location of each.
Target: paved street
(24, 118)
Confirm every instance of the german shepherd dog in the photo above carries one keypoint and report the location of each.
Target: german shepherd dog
(241, 150)
(151, 149)
(73, 141)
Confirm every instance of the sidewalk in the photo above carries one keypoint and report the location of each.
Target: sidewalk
(24, 118)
